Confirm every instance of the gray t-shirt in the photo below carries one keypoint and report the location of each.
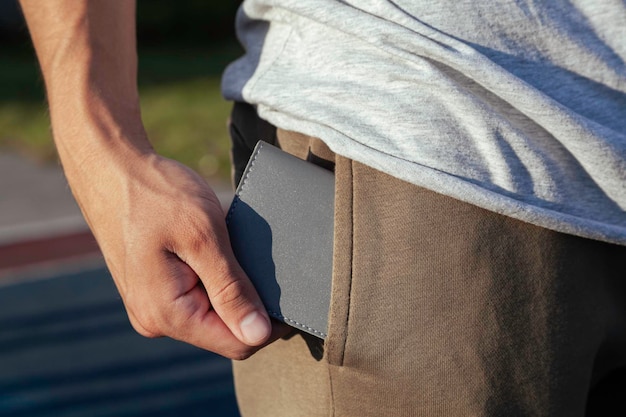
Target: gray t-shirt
(516, 107)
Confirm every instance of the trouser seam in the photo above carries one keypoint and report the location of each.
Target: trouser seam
(337, 352)
(349, 295)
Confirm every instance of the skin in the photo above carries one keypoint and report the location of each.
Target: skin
(159, 225)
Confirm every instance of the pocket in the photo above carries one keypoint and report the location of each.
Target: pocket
(334, 346)
(245, 128)
(315, 151)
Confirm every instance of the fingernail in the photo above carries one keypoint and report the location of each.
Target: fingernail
(255, 328)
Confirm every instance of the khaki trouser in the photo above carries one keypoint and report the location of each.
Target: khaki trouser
(441, 308)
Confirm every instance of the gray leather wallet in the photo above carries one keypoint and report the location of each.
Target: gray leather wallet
(281, 229)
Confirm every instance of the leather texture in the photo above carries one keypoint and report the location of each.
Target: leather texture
(281, 229)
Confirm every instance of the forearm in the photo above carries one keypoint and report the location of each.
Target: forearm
(160, 226)
(87, 52)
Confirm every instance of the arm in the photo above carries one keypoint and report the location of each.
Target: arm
(159, 225)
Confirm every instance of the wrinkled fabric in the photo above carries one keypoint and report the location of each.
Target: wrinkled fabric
(518, 107)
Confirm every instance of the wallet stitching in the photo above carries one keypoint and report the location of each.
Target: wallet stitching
(243, 184)
(230, 215)
(302, 326)
(232, 209)
(256, 155)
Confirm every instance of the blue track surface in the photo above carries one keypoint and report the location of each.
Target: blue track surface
(67, 349)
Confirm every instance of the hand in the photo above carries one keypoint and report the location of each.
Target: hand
(162, 231)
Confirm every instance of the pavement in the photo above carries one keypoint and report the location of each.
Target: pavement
(37, 216)
(66, 347)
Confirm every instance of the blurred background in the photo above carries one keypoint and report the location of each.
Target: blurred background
(66, 347)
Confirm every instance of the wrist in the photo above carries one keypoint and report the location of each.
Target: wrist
(97, 130)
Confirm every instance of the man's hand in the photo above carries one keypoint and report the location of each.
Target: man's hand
(162, 231)
(159, 225)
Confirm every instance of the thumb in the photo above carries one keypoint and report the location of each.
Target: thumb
(230, 291)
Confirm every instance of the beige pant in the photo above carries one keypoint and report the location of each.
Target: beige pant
(440, 308)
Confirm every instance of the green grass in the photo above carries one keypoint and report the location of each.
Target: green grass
(182, 108)
(186, 120)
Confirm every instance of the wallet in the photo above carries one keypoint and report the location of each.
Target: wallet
(281, 225)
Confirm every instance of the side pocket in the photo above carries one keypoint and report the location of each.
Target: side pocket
(342, 263)
(315, 151)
